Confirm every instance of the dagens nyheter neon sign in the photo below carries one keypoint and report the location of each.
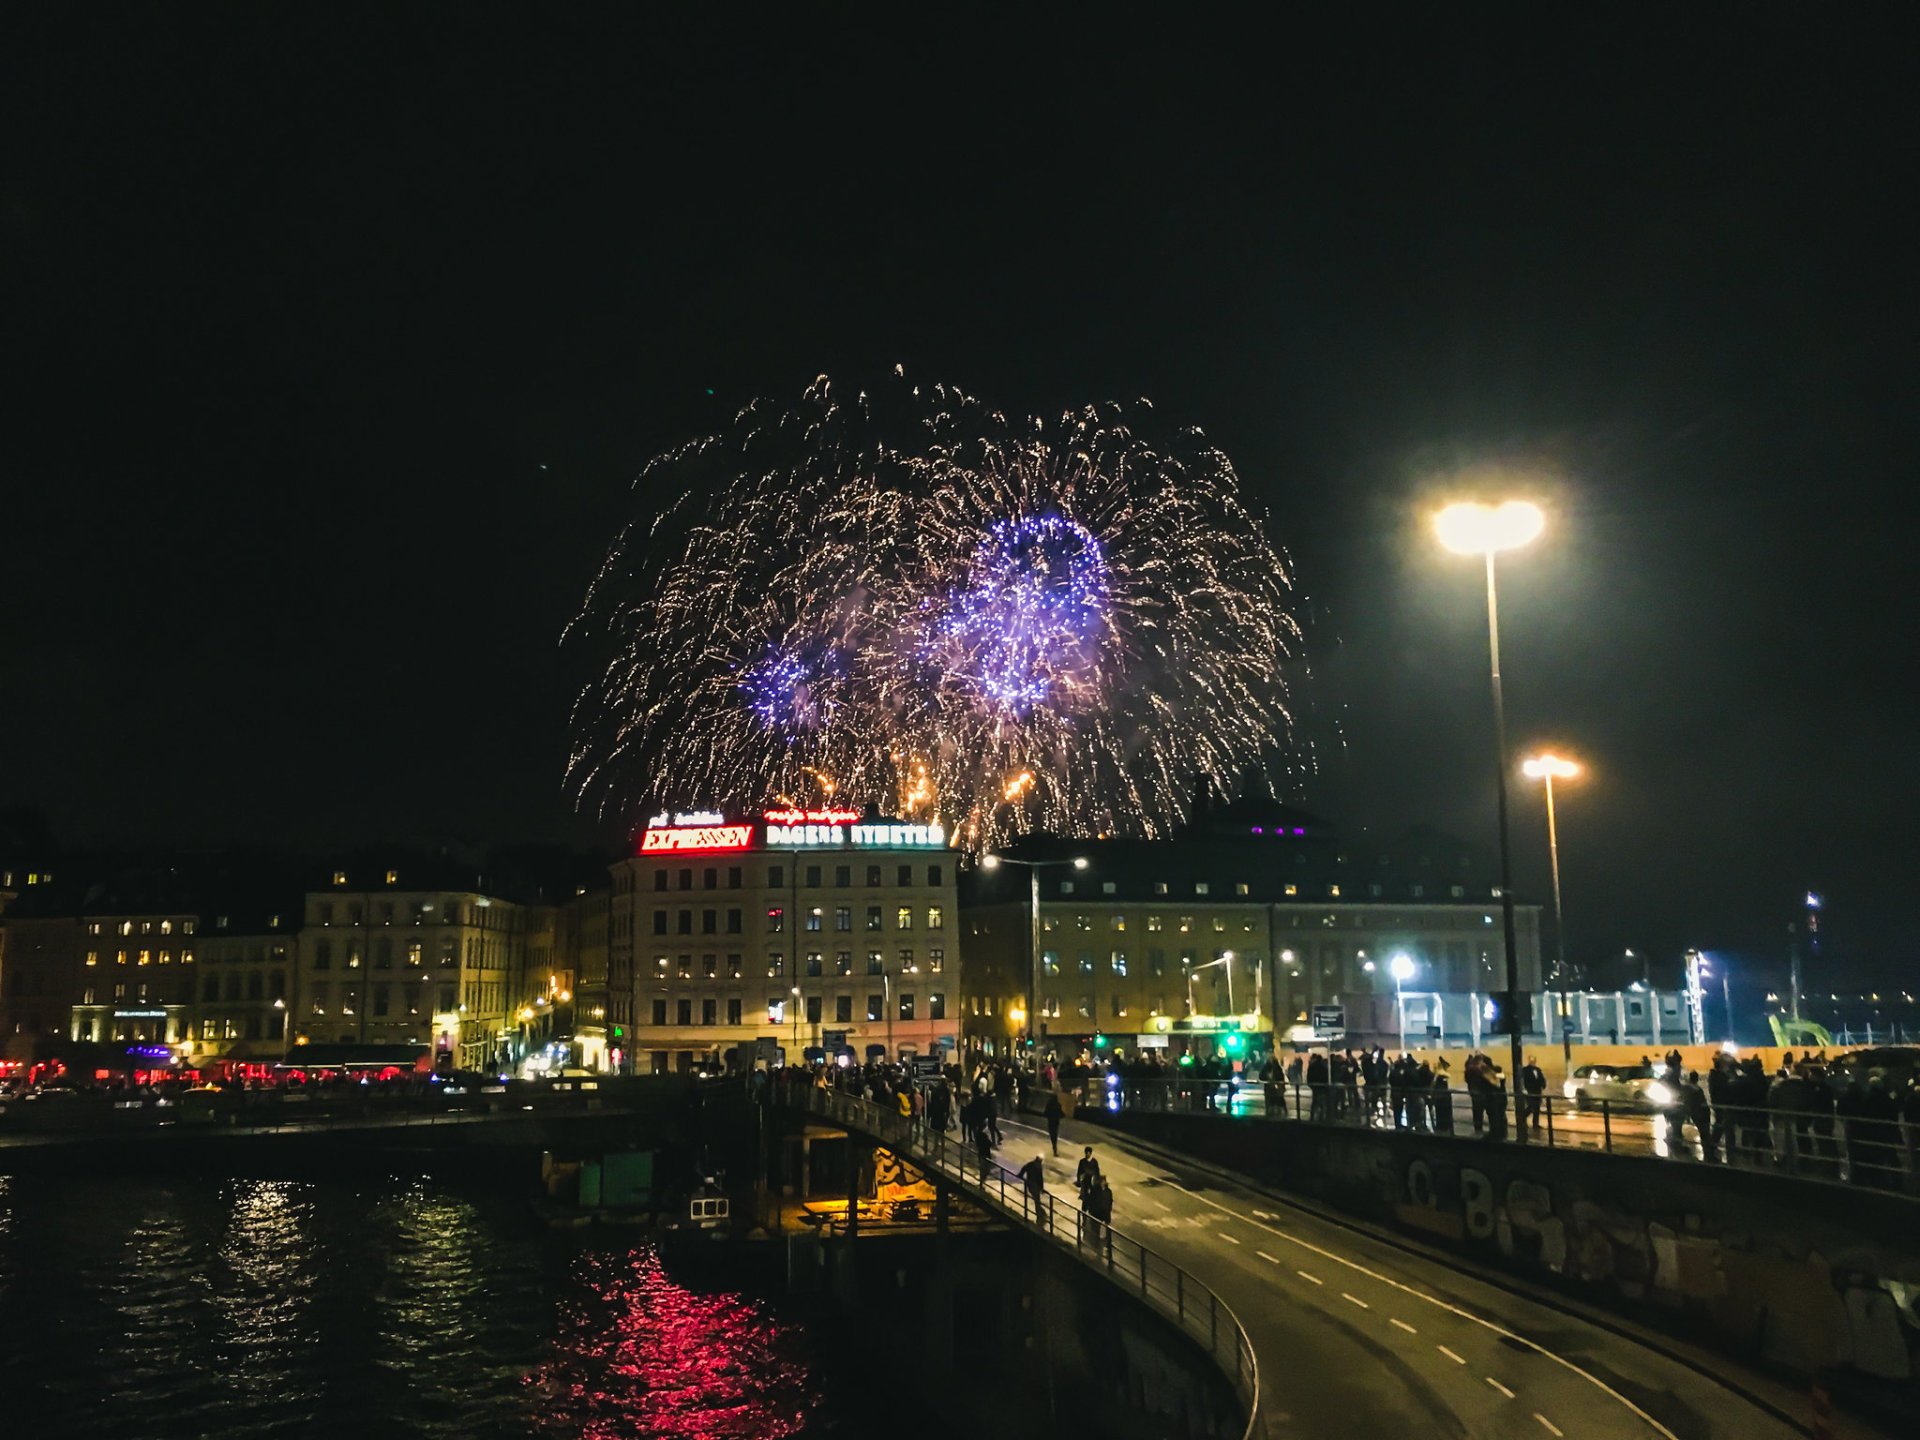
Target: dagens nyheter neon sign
(829, 828)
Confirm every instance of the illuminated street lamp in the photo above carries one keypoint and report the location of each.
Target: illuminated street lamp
(1474, 529)
(1034, 867)
(1402, 967)
(1225, 957)
(1550, 768)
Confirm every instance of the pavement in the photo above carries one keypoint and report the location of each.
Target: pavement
(1359, 1335)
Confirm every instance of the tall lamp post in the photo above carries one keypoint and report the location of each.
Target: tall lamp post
(1474, 529)
(1034, 867)
(1402, 967)
(1550, 768)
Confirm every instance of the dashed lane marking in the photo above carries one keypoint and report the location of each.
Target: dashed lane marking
(1450, 1355)
(1356, 1300)
(1498, 1386)
(1226, 1237)
(1272, 1259)
(1467, 1315)
(1314, 1278)
(1552, 1429)
(1404, 1326)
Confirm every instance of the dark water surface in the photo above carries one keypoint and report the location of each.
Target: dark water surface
(187, 1308)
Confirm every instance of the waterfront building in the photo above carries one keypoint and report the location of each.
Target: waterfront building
(412, 953)
(39, 950)
(1247, 922)
(736, 938)
(248, 962)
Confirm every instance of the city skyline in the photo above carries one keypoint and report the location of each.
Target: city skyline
(304, 583)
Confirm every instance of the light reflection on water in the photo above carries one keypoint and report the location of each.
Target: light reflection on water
(170, 1309)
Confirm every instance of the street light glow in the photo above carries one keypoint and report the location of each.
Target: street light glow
(1080, 862)
(1402, 966)
(1548, 767)
(1470, 528)
(989, 862)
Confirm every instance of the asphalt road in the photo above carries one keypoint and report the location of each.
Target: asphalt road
(1357, 1337)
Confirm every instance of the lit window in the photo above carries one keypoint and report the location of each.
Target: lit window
(1200, 887)
(1119, 962)
(1333, 891)
(1241, 888)
(393, 877)
(1050, 962)
(1186, 924)
(126, 927)
(937, 960)
(903, 918)
(1219, 924)
(339, 878)
(1066, 887)
(166, 927)
(934, 917)
(93, 957)
(146, 958)
(1119, 922)
(1107, 887)
(1293, 889)
(1154, 923)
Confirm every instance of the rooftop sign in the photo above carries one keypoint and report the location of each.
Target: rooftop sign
(687, 838)
(877, 835)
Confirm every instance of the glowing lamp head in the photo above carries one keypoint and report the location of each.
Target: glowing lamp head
(989, 862)
(1368, 967)
(1470, 528)
(1080, 862)
(1549, 767)
(1402, 965)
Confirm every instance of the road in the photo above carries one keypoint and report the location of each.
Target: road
(1356, 1336)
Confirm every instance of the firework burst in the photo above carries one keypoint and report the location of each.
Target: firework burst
(911, 599)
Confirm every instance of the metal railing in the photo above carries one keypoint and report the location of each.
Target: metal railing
(1164, 1286)
(1880, 1152)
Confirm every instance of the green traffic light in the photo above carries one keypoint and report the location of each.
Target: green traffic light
(1099, 1042)
(1186, 1059)
(1234, 1042)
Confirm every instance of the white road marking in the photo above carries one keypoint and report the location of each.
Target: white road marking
(1356, 1300)
(1274, 1259)
(1467, 1315)
(1226, 1237)
(1404, 1326)
(1262, 1214)
(1450, 1355)
(1552, 1429)
(1498, 1386)
(1314, 1278)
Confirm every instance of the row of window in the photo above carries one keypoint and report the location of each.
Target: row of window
(1117, 961)
(1205, 887)
(814, 963)
(812, 1008)
(1155, 923)
(1120, 1006)
(145, 927)
(812, 876)
(481, 953)
(815, 920)
(413, 997)
(420, 912)
(146, 957)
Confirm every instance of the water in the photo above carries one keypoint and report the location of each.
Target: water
(169, 1309)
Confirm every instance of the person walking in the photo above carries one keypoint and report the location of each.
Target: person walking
(983, 1148)
(1033, 1175)
(1101, 1203)
(1054, 1116)
(1085, 1172)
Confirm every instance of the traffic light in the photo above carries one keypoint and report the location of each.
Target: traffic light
(618, 1032)
(1099, 1042)
(1235, 1043)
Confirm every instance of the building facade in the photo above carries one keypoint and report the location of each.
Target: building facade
(1249, 924)
(779, 933)
(412, 954)
(244, 993)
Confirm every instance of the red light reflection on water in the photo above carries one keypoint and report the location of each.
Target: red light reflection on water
(637, 1355)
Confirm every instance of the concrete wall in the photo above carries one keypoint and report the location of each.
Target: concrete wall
(1782, 1272)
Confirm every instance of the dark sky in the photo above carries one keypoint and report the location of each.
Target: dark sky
(334, 337)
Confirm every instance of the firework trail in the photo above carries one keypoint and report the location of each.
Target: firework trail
(913, 600)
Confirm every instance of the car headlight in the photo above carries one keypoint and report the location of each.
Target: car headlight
(1659, 1094)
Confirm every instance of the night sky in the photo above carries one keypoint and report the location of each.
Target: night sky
(336, 336)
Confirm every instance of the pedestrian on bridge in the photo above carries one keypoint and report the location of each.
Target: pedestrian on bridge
(1054, 1116)
(1034, 1174)
(1533, 1085)
(1100, 1206)
(983, 1147)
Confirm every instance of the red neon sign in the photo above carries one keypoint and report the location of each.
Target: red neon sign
(792, 816)
(695, 837)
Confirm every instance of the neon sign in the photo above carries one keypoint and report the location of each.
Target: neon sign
(689, 817)
(685, 838)
(879, 836)
(793, 816)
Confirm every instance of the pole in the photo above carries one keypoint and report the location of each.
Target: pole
(1559, 933)
(1033, 962)
(1400, 1006)
(886, 985)
(1726, 998)
(1506, 860)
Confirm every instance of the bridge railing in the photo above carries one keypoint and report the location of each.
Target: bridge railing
(1879, 1152)
(1164, 1286)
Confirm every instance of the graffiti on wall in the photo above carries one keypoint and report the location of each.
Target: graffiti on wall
(1805, 1301)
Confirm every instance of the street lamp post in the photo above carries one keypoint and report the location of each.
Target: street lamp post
(1034, 867)
(1402, 967)
(1550, 768)
(1470, 529)
(795, 1007)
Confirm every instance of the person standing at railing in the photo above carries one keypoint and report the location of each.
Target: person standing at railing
(1533, 1085)
(1441, 1097)
(1100, 1204)
(983, 1149)
(1317, 1087)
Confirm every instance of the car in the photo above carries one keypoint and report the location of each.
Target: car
(1628, 1087)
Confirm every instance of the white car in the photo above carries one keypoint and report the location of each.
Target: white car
(1634, 1087)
